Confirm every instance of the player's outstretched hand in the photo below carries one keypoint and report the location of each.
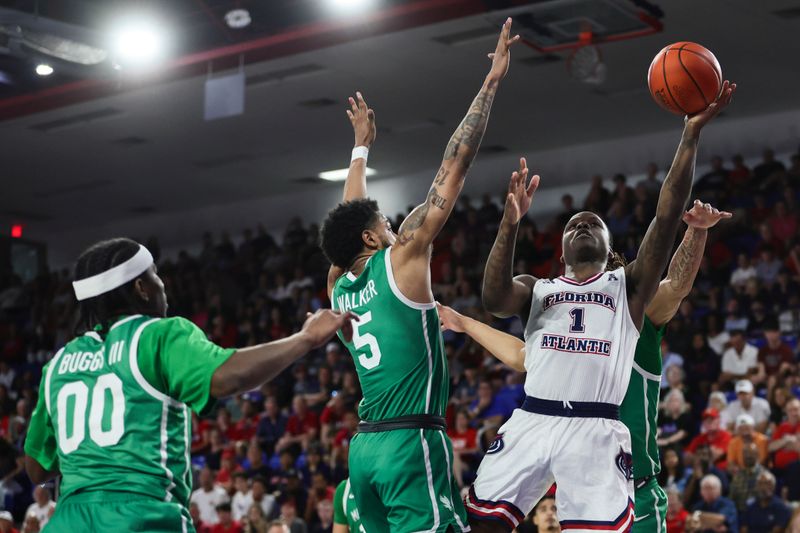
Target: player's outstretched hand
(501, 57)
(704, 216)
(321, 325)
(451, 319)
(363, 120)
(520, 193)
(698, 120)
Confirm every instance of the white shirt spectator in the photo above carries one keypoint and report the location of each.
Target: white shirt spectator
(759, 410)
(240, 505)
(718, 341)
(741, 275)
(267, 504)
(740, 364)
(207, 503)
(41, 512)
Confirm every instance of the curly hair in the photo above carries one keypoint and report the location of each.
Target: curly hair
(341, 231)
(98, 258)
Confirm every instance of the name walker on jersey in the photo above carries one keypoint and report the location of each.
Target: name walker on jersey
(348, 301)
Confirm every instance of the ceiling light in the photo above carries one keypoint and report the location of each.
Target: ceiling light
(349, 5)
(43, 69)
(238, 18)
(138, 42)
(341, 174)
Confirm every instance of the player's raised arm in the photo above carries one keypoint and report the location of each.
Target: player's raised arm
(250, 367)
(362, 118)
(644, 273)
(503, 294)
(685, 263)
(507, 348)
(423, 224)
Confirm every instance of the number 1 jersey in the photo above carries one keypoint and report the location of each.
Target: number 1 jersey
(113, 411)
(397, 344)
(580, 339)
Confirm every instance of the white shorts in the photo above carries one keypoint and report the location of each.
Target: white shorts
(588, 458)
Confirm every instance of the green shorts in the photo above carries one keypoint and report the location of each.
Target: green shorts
(402, 481)
(650, 509)
(99, 512)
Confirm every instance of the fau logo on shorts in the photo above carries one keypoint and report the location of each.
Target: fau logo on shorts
(496, 445)
(624, 462)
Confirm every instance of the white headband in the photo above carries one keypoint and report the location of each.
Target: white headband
(113, 277)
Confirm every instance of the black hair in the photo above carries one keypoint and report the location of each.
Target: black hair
(98, 258)
(341, 230)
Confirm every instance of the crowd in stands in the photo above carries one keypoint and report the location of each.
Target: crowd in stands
(729, 428)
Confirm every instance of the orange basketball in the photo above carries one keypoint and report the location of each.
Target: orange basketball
(684, 78)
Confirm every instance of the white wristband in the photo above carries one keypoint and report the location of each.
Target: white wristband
(360, 152)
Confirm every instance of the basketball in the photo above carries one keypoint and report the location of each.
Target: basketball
(684, 78)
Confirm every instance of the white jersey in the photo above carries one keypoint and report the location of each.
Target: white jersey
(580, 339)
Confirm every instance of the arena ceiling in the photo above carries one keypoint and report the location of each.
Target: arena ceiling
(144, 147)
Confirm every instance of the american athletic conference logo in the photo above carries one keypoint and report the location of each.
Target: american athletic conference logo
(497, 445)
(624, 462)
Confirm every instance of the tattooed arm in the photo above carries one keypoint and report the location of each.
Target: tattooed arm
(503, 294)
(685, 263)
(644, 273)
(423, 224)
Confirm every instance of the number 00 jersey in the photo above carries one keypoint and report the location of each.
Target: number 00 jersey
(113, 413)
(580, 339)
(397, 345)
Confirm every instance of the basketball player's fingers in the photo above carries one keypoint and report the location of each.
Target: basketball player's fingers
(515, 39)
(350, 115)
(725, 214)
(308, 315)
(491, 56)
(362, 105)
(534, 184)
(353, 105)
(523, 163)
(371, 115)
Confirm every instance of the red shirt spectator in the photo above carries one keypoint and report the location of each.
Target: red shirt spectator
(302, 420)
(775, 353)
(717, 439)
(783, 224)
(677, 521)
(788, 433)
(200, 434)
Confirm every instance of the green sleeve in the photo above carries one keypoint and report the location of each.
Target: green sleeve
(339, 516)
(176, 357)
(40, 442)
(648, 349)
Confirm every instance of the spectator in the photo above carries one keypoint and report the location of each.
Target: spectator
(701, 367)
(786, 447)
(255, 521)
(674, 421)
(775, 355)
(767, 513)
(767, 267)
(768, 166)
(290, 518)
(743, 484)
(301, 428)
(717, 400)
(740, 361)
(325, 516)
(465, 445)
(208, 496)
(261, 499)
(744, 271)
(713, 436)
(42, 507)
(7, 523)
(745, 435)
(715, 510)
(673, 472)
(748, 403)
(242, 499)
(226, 522)
(272, 425)
(228, 466)
(197, 522)
(278, 526)
(669, 359)
(255, 464)
(676, 513)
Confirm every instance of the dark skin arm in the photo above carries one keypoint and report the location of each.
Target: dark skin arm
(644, 273)
(503, 294)
(411, 252)
(37, 472)
(250, 367)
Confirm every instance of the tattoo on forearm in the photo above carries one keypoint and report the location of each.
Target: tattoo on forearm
(467, 138)
(686, 261)
(441, 177)
(498, 275)
(415, 220)
(436, 199)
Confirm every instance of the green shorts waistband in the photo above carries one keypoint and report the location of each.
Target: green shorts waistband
(98, 496)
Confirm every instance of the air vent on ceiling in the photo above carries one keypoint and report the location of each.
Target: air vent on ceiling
(27, 215)
(493, 149)
(284, 74)
(788, 13)
(74, 187)
(222, 161)
(133, 140)
(535, 61)
(468, 36)
(77, 120)
(316, 103)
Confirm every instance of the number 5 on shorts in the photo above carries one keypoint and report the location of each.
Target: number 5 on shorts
(368, 340)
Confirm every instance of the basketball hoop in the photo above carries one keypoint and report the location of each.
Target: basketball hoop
(585, 63)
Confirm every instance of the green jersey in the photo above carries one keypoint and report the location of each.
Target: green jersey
(639, 410)
(345, 511)
(113, 412)
(397, 344)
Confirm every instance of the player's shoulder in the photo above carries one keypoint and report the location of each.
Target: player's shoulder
(166, 326)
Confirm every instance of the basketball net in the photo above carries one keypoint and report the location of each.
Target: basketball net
(585, 62)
